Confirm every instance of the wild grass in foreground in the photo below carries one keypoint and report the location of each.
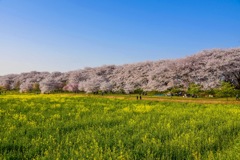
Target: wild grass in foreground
(65, 127)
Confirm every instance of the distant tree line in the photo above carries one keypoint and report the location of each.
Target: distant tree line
(204, 71)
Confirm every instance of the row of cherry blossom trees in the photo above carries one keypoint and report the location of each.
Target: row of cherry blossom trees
(207, 69)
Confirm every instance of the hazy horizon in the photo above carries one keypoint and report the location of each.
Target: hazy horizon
(69, 35)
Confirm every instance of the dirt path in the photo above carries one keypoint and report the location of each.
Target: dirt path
(178, 99)
(144, 98)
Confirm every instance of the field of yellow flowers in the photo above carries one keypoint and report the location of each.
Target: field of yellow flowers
(87, 127)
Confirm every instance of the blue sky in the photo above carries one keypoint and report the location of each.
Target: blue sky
(64, 35)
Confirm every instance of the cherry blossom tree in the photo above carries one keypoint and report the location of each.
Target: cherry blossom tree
(106, 86)
(128, 88)
(26, 86)
(207, 68)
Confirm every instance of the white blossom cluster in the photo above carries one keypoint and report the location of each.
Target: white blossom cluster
(207, 68)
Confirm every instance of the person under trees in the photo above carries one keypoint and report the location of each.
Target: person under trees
(194, 90)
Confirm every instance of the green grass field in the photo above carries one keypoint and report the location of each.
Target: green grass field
(65, 126)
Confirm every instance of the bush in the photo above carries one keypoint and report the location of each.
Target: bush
(225, 90)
